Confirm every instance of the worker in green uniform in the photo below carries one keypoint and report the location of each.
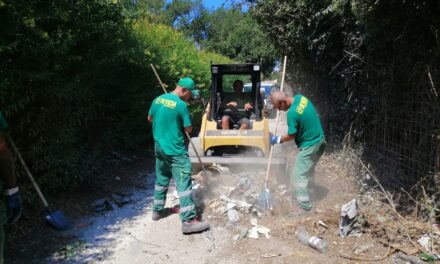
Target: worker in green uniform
(170, 118)
(7, 176)
(305, 127)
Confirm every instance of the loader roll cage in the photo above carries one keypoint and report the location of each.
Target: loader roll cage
(219, 71)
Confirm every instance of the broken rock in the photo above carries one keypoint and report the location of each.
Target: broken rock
(233, 216)
(348, 223)
(120, 199)
(258, 229)
(362, 249)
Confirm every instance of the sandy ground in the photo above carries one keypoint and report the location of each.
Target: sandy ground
(128, 235)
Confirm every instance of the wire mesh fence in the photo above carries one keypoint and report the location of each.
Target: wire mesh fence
(403, 145)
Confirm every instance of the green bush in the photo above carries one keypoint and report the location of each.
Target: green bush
(76, 83)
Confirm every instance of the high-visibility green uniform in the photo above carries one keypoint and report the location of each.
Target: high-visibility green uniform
(170, 115)
(304, 122)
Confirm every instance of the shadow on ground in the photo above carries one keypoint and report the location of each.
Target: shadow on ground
(91, 231)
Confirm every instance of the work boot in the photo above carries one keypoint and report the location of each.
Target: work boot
(157, 215)
(194, 226)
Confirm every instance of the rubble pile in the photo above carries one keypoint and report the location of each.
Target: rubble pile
(238, 200)
(413, 241)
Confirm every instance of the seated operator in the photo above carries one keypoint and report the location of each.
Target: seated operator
(236, 108)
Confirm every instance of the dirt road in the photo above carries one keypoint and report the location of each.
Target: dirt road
(128, 235)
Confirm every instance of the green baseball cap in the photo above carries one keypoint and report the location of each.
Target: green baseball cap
(188, 83)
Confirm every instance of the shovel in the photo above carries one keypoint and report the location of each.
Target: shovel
(55, 218)
(265, 197)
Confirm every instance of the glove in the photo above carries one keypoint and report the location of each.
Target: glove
(3, 123)
(13, 205)
(275, 140)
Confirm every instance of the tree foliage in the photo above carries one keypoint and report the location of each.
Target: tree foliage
(76, 81)
(372, 67)
(227, 31)
(232, 33)
(339, 47)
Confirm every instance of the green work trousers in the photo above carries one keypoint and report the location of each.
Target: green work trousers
(178, 167)
(304, 169)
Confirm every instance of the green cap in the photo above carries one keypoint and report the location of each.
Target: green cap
(188, 83)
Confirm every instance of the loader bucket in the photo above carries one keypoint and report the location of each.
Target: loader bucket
(279, 165)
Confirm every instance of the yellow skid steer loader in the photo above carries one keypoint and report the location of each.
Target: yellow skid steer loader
(235, 147)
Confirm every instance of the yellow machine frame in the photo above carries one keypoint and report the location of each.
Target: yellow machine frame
(257, 136)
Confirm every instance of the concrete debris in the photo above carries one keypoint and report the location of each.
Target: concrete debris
(221, 209)
(241, 204)
(242, 235)
(111, 203)
(233, 216)
(402, 258)
(230, 206)
(195, 186)
(321, 223)
(282, 189)
(348, 225)
(244, 184)
(358, 250)
(258, 229)
(101, 205)
(256, 212)
(199, 177)
(425, 242)
(242, 187)
(253, 233)
(120, 199)
(219, 169)
(214, 204)
(254, 221)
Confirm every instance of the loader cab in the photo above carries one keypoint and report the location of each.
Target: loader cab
(223, 77)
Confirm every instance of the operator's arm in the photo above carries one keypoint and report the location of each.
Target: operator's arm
(150, 118)
(248, 105)
(233, 103)
(228, 101)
